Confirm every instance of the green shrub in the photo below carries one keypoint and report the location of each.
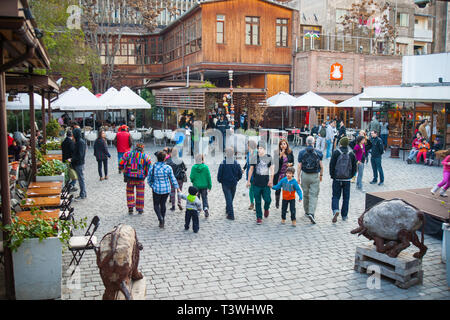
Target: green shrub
(53, 128)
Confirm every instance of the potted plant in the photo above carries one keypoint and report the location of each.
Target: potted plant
(52, 147)
(53, 170)
(37, 246)
(53, 128)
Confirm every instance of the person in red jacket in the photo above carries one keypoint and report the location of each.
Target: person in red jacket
(123, 142)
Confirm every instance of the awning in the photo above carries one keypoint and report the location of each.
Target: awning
(126, 99)
(410, 94)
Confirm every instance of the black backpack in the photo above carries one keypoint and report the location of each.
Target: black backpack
(311, 161)
(343, 168)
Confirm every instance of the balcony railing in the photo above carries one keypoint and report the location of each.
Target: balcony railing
(423, 35)
(344, 43)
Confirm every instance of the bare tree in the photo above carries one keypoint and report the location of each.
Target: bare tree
(104, 23)
(361, 16)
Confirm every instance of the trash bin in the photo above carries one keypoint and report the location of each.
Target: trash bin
(395, 151)
(446, 249)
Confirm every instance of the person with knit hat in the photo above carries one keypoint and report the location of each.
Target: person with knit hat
(135, 166)
(343, 166)
(123, 142)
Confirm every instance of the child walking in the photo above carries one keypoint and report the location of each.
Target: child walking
(201, 179)
(445, 183)
(289, 186)
(250, 154)
(193, 209)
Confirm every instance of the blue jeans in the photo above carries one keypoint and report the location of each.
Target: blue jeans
(229, 192)
(360, 176)
(191, 214)
(384, 139)
(413, 154)
(79, 169)
(376, 167)
(329, 148)
(340, 187)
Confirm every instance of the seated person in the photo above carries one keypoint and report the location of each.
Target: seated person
(423, 147)
(14, 150)
(431, 154)
(415, 148)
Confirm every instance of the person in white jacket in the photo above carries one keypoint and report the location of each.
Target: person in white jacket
(331, 132)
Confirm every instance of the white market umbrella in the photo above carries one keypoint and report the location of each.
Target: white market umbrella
(310, 99)
(21, 102)
(281, 99)
(356, 102)
(109, 94)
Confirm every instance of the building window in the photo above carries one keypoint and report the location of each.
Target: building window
(403, 20)
(220, 24)
(282, 33)
(252, 30)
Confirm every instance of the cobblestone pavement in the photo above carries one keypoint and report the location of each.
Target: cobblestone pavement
(241, 260)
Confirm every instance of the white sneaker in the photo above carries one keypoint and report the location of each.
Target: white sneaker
(442, 193)
(433, 191)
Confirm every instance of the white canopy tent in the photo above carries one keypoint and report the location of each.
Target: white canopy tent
(281, 99)
(356, 102)
(78, 100)
(21, 102)
(125, 99)
(310, 99)
(105, 97)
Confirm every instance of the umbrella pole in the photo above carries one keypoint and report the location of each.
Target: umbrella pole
(17, 123)
(282, 118)
(23, 125)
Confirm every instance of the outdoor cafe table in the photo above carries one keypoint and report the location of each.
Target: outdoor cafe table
(46, 215)
(43, 192)
(46, 184)
(42, 202)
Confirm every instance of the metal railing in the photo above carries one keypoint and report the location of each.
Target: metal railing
(342, 42)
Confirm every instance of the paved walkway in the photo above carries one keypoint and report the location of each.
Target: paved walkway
(241, 260)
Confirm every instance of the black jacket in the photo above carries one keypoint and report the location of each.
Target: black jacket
(336, 155)
(100, 150)
(177, 168)
(67, 147)
(229, 174)
(79, 151)
(377, 147)
(290, 157)
(222, 126)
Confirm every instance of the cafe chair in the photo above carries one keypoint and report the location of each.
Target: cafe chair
(79, 244)
(65, 204)
(67, 214)
(158, 135)
(66, 190)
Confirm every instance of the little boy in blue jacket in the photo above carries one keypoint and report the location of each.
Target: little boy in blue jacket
(289, 186)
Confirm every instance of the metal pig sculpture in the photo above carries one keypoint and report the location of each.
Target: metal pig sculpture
(118, 259)
(392, 225)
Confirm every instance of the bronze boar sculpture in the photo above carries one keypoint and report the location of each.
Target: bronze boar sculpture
(118, 259)
(392, 225)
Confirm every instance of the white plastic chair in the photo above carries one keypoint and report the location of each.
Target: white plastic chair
(158, 135)
(110, 136)
(91, 136)
(148, 133)
(136, 135)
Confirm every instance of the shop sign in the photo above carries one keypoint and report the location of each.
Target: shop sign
(337, 71)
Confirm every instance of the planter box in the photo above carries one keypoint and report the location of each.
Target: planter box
(38, 269)
(54, 151)
(50, 178)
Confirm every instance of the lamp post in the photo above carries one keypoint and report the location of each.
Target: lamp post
(230, 77)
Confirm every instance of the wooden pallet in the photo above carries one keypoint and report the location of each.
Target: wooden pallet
(138, 290)
(405, 269)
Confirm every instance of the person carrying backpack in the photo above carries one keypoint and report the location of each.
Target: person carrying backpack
(343, 166)
(309, 176)
(179, 171)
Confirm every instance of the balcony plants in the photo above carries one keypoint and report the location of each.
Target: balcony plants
(37, 246)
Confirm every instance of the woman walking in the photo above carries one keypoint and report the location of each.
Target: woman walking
(101, 153)
(135, 165)
(360, 153)
(159, 179)
(286, 160)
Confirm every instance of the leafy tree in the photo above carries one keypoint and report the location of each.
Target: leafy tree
(70, 58)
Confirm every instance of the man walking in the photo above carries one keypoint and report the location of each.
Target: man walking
(78, 156)
(375, 125)
(342, 169)
(376, 151)
(222, 126)
(123, 143)
(309, 176)
(67, 147)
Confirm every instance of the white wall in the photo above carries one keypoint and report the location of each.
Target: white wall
(426, 68)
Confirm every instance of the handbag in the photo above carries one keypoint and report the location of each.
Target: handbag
(73, 174)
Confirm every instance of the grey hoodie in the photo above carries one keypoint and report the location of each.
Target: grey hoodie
(192, 202)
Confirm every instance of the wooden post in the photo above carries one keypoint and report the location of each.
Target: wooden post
(33, 134)
(49, 107)
(44, 129)
(4, 180)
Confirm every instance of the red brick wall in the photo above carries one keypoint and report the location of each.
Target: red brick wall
(312, 72)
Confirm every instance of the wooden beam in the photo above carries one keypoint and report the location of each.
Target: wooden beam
(44, 130)
(33, 134)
